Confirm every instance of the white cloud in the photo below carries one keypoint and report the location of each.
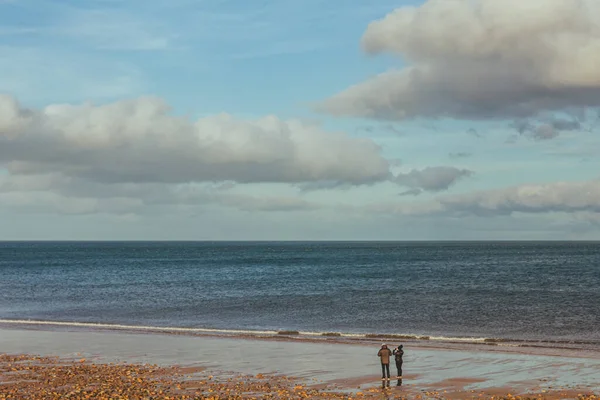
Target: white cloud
(481, 59)
(139, 141)
(56, 193)
(432, 179)
(549, 127)
(123, 156)
(557, 197)
(540, 198)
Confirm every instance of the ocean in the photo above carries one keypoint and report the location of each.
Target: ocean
(546, 292)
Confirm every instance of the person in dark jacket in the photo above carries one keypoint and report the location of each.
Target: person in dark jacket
(384, 354)
(398, 354)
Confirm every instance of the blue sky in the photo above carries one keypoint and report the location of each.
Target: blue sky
(311, 120)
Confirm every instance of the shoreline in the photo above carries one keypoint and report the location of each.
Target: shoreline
(567, 348)
(324, 365)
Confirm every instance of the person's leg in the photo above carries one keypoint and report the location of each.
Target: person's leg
(399, 368)
(382, 371)
(387, 368)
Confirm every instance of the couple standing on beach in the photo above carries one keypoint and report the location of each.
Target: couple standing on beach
(384, 354)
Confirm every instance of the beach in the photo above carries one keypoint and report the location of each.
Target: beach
(326, 368)
(260, 320)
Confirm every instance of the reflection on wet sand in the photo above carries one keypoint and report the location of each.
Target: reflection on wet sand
(346, 368)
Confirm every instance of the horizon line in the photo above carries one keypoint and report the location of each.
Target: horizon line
(300, 240)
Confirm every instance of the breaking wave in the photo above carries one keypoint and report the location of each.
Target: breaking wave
(298, 334)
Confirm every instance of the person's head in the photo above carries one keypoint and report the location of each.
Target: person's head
(384, 346)
(400, 346)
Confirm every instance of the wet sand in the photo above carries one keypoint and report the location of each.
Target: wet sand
(34, 377)
(338, 367)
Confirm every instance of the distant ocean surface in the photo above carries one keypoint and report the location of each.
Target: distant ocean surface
(546, 291)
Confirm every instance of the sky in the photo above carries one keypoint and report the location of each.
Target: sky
(299, 120)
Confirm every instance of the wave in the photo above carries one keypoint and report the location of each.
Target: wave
(133, 327)
(370, 337)
(167, 329)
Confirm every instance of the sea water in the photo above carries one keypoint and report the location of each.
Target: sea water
(519, 291)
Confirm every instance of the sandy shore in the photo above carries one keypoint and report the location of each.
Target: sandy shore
(34, 377)
(323, 370)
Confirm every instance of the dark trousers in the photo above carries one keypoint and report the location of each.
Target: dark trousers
(385, 368)
(399, 368)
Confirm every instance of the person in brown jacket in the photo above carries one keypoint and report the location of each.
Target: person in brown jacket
(384, 354)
